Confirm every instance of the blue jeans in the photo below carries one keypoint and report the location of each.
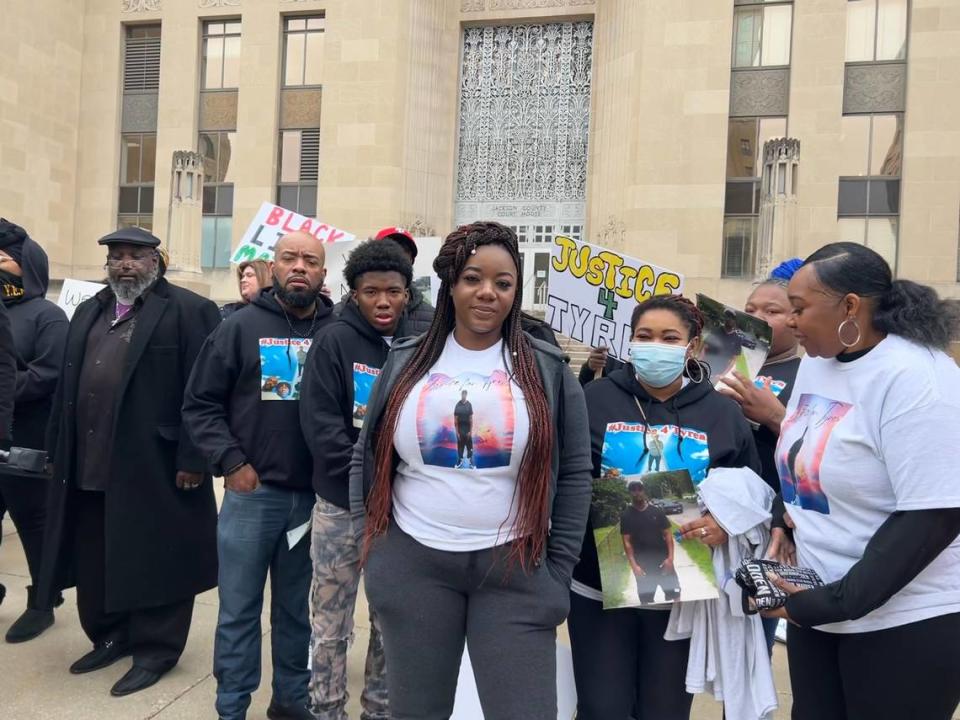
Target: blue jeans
(252, 539)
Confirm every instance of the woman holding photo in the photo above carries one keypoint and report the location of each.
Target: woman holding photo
(477, 551)
(868, 459)
(764, 402)
(623, 666)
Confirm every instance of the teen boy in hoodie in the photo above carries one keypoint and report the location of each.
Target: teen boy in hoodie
(39, 330)
(241, 408)
(341, 368)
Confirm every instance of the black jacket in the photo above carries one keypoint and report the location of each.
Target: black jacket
(709, 421)
(341, 367)
(569, 499)
(39, 335)
(8, 375)
(417, 316)
(785, 372)
(161, 541)
(588, 376)
(241, 403)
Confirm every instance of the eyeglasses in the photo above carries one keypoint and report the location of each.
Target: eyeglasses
(115, 262)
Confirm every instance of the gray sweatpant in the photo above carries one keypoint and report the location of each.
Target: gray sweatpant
(430, 601)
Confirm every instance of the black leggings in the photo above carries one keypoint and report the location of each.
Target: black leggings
(911, 671)
(26, 501)
(622, 665)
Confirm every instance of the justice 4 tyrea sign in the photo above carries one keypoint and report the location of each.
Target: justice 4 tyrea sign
(593, 292)
(271, 223)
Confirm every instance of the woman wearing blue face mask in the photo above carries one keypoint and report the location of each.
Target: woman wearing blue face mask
(666, 416)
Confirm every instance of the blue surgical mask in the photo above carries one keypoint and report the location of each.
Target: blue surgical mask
(656, 364)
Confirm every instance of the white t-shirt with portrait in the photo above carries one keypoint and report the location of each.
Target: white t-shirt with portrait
(461, 434)
(861, 440)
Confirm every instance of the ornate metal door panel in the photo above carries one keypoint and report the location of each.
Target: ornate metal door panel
(524, 124)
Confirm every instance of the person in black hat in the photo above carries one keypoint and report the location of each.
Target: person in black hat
(39, 330)
(131, 514)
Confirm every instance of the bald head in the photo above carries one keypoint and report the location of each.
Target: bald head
(298, 269)
(301, 243)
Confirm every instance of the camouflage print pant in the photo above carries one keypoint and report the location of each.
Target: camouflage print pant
(333, 596)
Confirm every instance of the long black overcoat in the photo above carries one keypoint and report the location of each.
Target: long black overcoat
(160, 540)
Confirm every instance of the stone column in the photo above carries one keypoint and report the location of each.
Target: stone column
(777, 236)
(184, 221)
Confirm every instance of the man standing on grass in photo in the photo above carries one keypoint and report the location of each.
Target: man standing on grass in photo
(648, 543)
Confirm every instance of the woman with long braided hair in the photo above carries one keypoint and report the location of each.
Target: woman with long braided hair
(471, 479)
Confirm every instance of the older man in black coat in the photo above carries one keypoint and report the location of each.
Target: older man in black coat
(132, 517)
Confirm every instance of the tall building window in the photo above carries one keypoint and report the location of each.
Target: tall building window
(876, 30)
(141, 58)
(216, 149)
(761, 33)
(138, 157)
(221, 55)
(745, 139)
(299, 170)
(138, 138)
(302, 50)
(868, 203)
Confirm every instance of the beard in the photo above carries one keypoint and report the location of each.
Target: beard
(128, 292)
(297, 299)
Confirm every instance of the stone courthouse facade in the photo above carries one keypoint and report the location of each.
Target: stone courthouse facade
(636, 124)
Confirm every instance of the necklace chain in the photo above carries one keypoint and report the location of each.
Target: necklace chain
(313, 323)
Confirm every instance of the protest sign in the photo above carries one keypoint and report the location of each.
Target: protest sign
(593, 292)
(732, 340)
(271, 223)
(75, 292)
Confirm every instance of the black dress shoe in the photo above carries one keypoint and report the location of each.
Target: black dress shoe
(103, 654)
(136, 679)
(276, 711)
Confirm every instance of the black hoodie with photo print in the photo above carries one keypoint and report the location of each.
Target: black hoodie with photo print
(236, 409)
(341, 366)
(697, 408)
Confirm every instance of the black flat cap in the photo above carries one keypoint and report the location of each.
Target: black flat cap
(130, 236)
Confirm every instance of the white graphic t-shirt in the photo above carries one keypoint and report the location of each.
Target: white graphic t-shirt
(860, 441)
(460, 437)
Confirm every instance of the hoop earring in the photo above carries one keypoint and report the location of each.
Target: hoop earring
(699, 366)
(842, 325)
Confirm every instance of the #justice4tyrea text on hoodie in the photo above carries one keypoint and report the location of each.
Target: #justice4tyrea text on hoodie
(343, 364)
(697, 429)
(242, 401)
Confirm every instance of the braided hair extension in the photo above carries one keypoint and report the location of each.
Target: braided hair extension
(534, 476)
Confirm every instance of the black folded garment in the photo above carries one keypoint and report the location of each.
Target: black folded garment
(752, 577)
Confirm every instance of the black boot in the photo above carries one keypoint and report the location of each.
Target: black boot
(33, 621)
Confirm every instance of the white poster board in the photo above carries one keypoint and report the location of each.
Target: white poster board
(271, 223)
(593, 292)
(75, 292)
(427, 249)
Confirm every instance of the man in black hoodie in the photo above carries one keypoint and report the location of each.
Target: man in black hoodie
(241, 409)
(39, 331)
(339, 375)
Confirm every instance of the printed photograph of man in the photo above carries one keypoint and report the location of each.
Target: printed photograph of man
(649, 546)
(463, 422)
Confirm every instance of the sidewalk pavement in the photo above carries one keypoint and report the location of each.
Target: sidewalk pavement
(35, 684)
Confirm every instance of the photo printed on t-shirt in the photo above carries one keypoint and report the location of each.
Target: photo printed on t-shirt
(466, 422)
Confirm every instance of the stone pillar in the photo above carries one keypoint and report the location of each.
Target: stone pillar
(184, 221)
(777, 236)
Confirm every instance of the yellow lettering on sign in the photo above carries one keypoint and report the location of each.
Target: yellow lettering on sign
(667, 283)
(646, 277)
